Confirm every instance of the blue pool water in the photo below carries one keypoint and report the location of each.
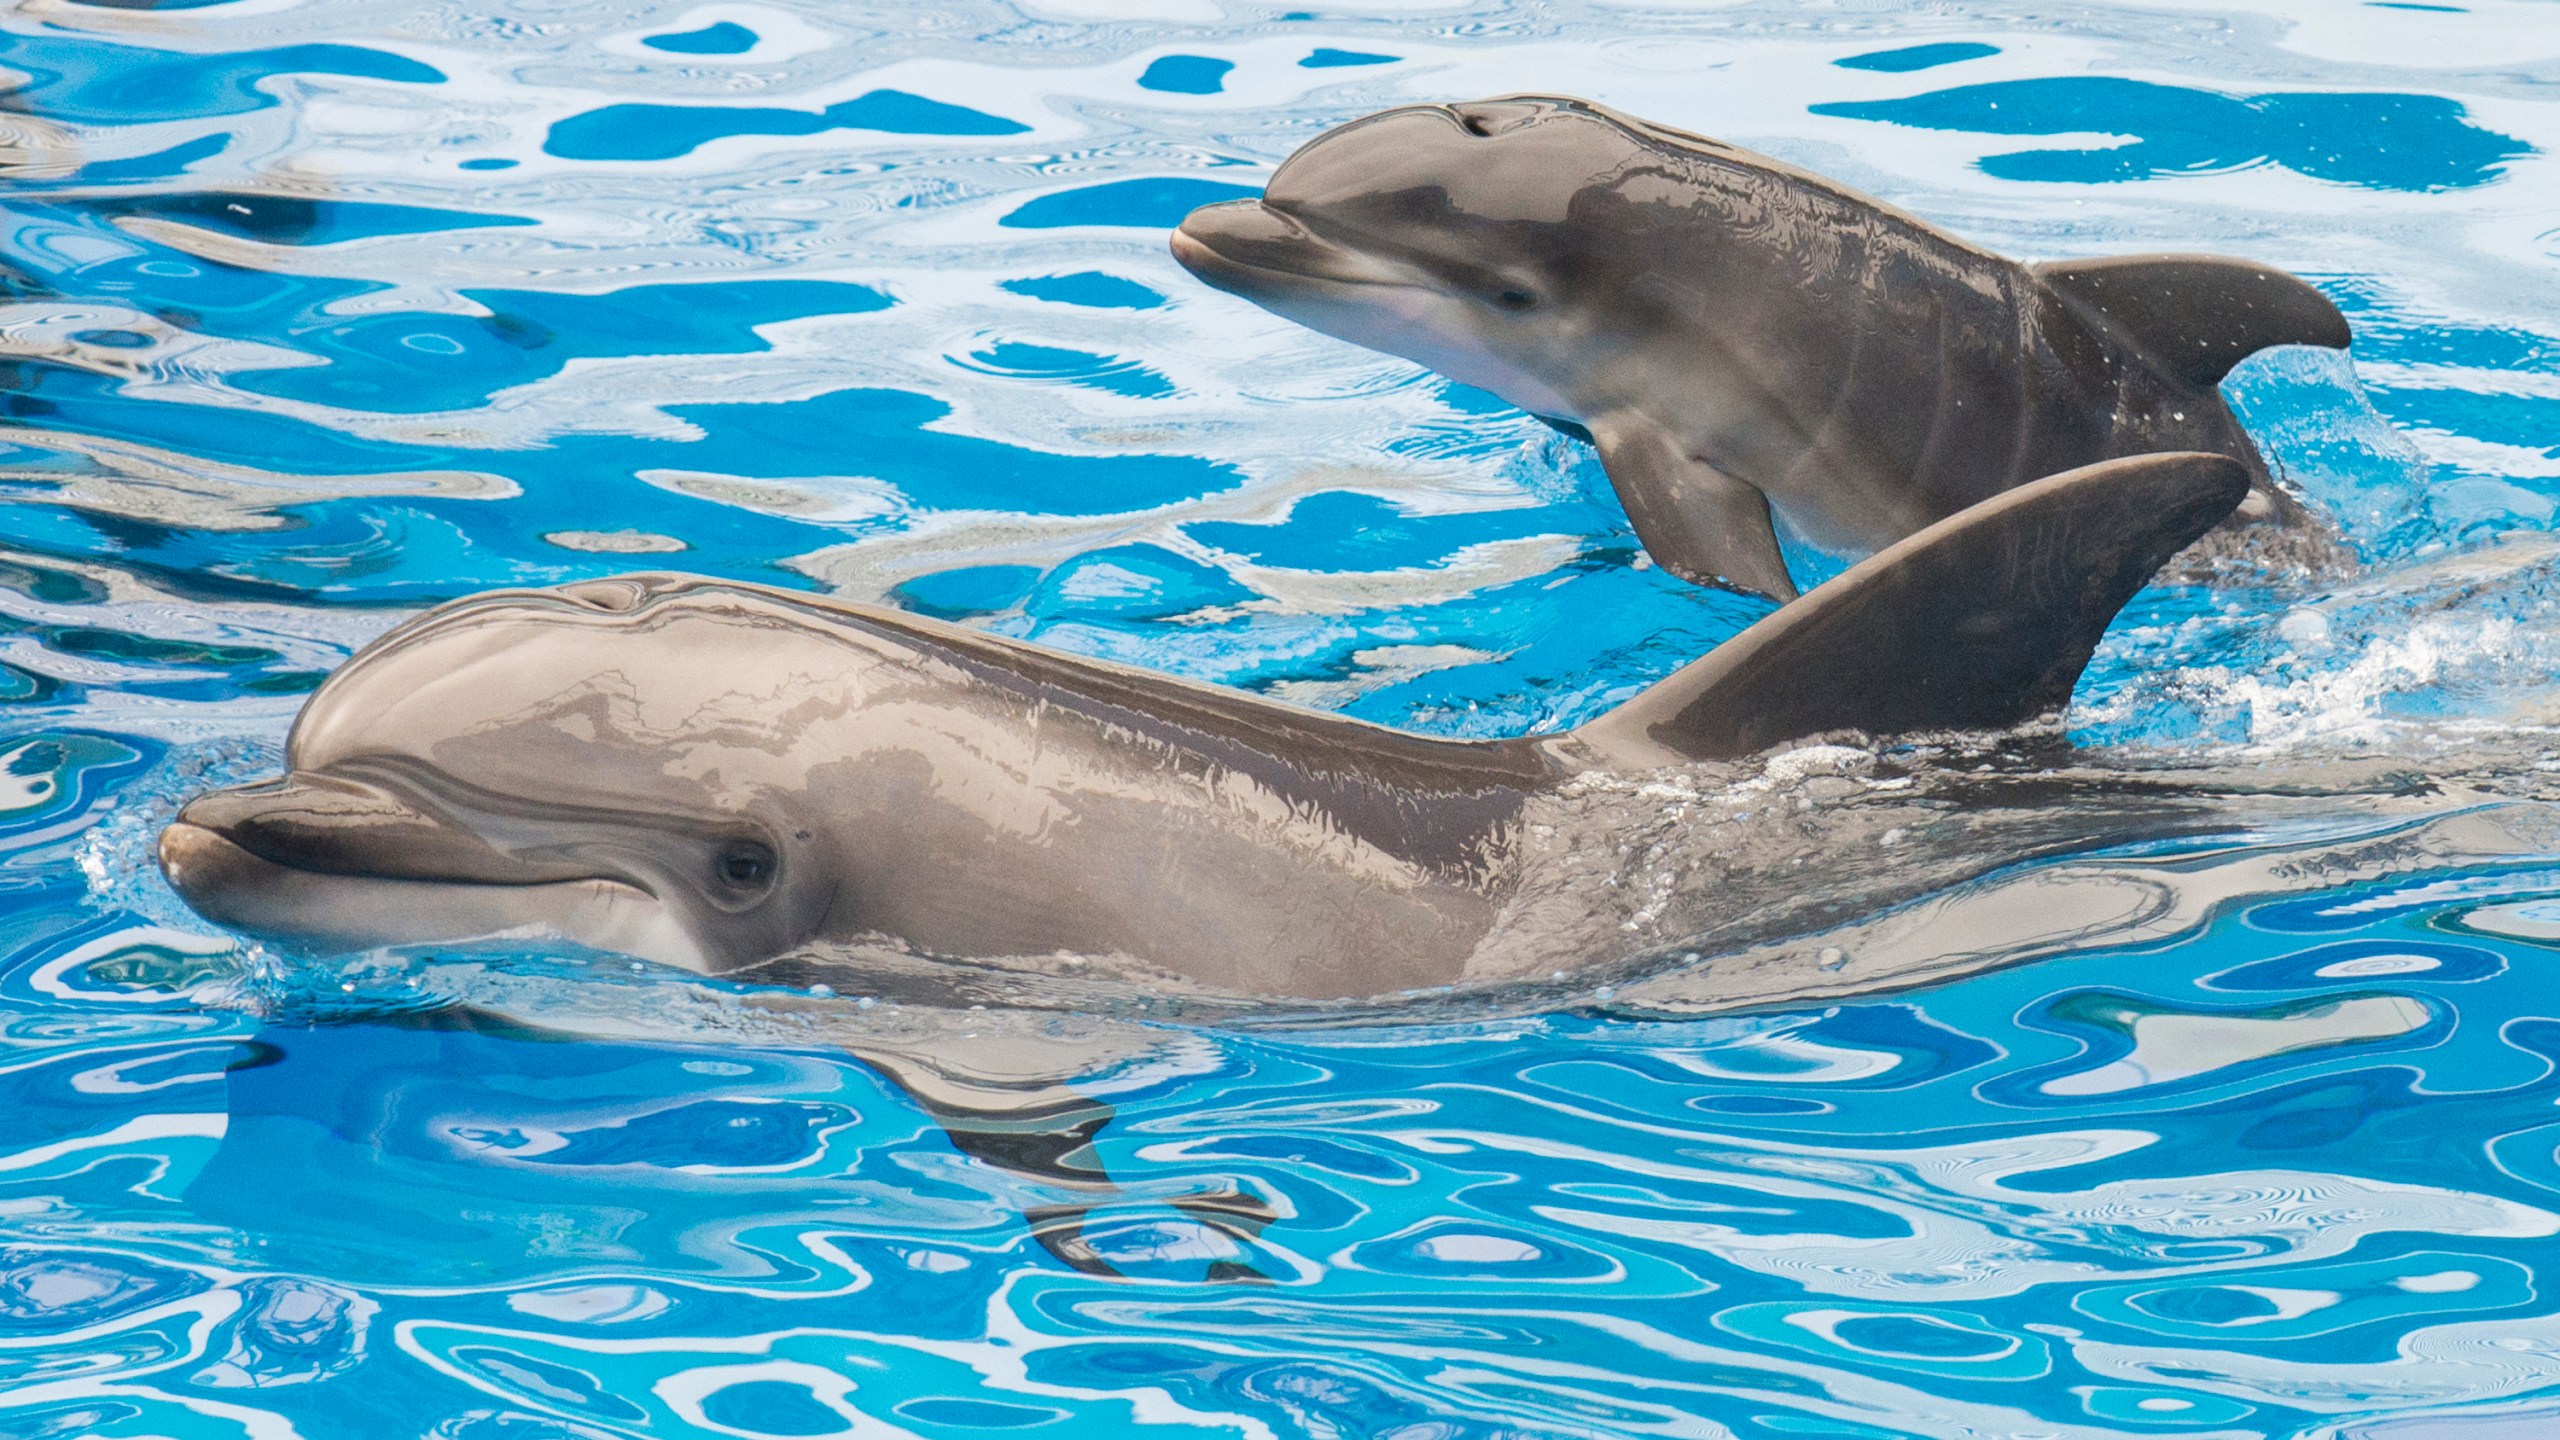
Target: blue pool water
(315, 313)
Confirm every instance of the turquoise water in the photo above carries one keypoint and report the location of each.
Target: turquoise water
(312, 314)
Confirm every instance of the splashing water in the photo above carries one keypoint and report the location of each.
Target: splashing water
(315, 313)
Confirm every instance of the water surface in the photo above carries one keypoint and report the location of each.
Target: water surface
(312, 314)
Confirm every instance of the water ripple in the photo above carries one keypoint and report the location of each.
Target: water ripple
(311, 314)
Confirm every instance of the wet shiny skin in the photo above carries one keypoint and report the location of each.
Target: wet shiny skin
(1736, 334)
(961, 793)
(519, 1190)
(711, 774)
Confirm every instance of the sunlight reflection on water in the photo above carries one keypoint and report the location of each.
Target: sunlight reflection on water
(317, 313)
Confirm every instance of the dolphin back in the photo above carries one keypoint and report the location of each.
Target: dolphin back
(1984, 619)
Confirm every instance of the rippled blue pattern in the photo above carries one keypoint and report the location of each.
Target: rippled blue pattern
(317, 312)
(2386, 142)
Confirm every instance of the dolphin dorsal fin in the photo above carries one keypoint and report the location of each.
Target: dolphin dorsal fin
(1983, 619)
(2198, 315)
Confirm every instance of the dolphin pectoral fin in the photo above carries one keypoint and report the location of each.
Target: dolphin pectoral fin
(2198, 315)
(1695, 521)
(1983, 619)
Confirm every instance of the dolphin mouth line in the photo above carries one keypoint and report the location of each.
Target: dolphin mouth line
(337, 912)
(1191, 246)
(181, 834)
(374, 823)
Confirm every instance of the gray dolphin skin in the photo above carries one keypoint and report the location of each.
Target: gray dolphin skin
(1737, 335)
(711, 774)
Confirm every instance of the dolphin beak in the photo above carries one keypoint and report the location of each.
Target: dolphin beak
(1216, 241)
(334, 864)
(1248, 247)
(326, 825)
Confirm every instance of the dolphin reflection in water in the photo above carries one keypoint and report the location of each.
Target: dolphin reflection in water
(1740, 337)
(713, 775)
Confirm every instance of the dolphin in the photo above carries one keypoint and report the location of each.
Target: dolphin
(712, 774)
(1738, 336)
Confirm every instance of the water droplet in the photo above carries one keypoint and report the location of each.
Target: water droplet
(2303, 627)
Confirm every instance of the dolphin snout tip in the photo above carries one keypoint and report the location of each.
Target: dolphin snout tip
(177, 839)
(195, 858)
(1241, 205)
(221, 815)
(1250, 246)
(1189, 250)
(1195, 238)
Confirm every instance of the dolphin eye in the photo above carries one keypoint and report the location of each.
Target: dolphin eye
(1516, 300)
(1474, 124)
(744, 867)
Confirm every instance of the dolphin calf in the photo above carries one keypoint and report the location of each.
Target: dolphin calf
(1739, 336)
(711, 774)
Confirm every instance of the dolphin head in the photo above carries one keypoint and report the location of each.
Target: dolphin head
(559, 763)
(1492, 241)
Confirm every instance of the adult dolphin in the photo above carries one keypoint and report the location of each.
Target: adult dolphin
(711, 774)
(1737, 335)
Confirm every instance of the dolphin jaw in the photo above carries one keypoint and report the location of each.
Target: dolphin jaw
(1244, 245)
(336, 911)
(325, 822)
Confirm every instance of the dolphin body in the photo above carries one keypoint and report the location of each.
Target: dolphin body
(1739, 336)
(712, 774)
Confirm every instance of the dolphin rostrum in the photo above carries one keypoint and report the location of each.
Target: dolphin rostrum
(1739, 336)
(713, 774)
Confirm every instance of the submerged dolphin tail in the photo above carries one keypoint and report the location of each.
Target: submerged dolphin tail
(1983, 619)
(2197, 315)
